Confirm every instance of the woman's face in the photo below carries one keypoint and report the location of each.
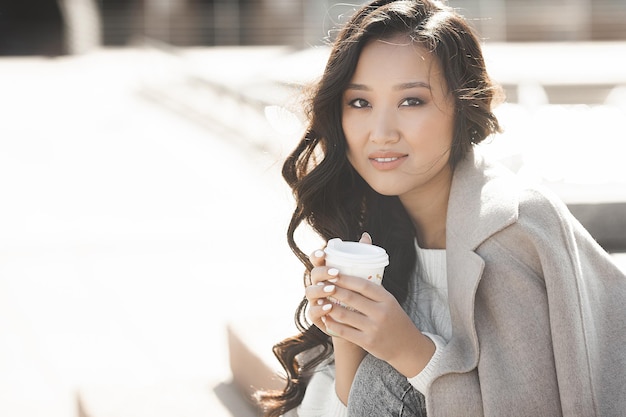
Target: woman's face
(398, 118)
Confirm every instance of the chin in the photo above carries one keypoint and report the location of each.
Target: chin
(386, 191)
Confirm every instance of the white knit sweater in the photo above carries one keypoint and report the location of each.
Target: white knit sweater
(430, 309)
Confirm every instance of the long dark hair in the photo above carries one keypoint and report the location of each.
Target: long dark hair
(333, 199)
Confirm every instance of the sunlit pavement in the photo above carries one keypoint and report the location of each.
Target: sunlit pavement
(134, 226)
(129, 236)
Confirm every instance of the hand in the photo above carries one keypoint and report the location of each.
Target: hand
(348, 356)
(378, 324)
(322, 286)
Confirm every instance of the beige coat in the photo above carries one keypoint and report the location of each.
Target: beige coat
(538, 309)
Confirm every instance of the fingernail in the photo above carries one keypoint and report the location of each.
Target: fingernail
(327, 307)
(320, 283)
(333, 272)
(320, 302)
(329, 288)
(333, 280)
(319, 254)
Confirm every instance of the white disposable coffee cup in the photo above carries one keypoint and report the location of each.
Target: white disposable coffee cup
(357, 259)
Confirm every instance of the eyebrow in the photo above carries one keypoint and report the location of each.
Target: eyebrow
(398, 87)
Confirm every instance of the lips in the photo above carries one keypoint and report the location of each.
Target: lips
(386, 160)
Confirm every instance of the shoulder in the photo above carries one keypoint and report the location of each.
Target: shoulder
(535, 203)
(545, 227)
(542, 233)
(540, 205)
(487, 198)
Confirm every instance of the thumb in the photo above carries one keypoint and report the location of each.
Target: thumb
(366, 238)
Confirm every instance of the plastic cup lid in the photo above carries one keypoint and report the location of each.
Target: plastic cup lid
(357, 252)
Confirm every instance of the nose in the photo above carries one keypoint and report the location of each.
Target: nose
(384, 129)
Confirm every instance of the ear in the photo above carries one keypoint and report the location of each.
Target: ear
(366, 238)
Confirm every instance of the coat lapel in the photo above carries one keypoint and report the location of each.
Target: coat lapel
(483, 200)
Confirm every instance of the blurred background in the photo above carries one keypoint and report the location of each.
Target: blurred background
(143, 263)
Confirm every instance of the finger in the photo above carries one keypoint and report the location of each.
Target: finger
(319, 291)
(352, 300)
(366, 287)
(317, 258)
(320, 309)
(359, 293)
(366, 238)
(338, 323)
(347, 316)
(317, 314)
(324, 273)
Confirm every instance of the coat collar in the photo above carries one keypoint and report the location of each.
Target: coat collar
(483, 200)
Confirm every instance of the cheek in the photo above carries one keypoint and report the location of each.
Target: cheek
(348, 128)
(350, 154)
(356, 131)
(351, 135)
(438, 129)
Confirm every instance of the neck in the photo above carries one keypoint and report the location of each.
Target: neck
(428, 209)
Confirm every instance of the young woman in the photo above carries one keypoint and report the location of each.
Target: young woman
(496, 301)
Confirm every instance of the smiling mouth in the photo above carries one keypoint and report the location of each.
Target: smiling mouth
(387, 162)
(395, 158)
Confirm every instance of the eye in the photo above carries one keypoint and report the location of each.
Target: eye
(412, 101)
(359, 103)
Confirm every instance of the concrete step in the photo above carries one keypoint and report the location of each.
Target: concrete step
(606, 222)
(620, 260)
(253, 364)
(165, 399)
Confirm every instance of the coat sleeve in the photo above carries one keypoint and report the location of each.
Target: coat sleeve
(587, 306)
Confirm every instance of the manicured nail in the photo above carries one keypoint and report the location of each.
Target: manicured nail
(320, 302)
(321, 283)
(333, 280)
(327, 307)
(319, 254)
(329, 288)
(333, 272)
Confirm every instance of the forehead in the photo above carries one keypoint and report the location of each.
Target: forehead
(397, 59)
